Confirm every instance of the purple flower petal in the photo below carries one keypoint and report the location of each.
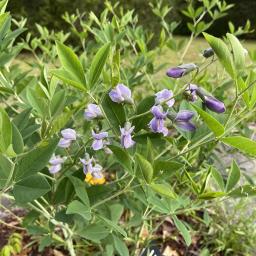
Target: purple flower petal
(158, 112)
(55, 160)
(121, 93)
(184, 115)
(93, 111)
(97, 144)
(54, 168)
(214, 104)
(163, 96)
(99, 136)
(187, 126)
(175, 72)
(64, 143)
(126, 137)
(68, 134)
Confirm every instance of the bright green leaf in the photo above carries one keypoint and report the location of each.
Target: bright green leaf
(122, 157)
(233, 176)
(76, 207)
(71, 63)
(237, 50)
(30, 188)
(183, 230)
(145, 167)
(5, 131)
(36, 159)
(242, 143)
(163, 189)
(222, 52)
(215, 126)
(98, 63)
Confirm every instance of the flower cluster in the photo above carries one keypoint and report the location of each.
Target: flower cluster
(209, 101)
(55, 164)
(163, 113)
(68, 135)
(92, 170)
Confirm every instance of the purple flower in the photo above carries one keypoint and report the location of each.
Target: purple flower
(93, 111)
(182, 120)
(68, 135)
(55, 164)
(87, 164)
(165, 96)
(97, 171)
(214, 104)
(120, 94)
(99, 140)
(191, 92)
(126, 137)
(181, 70)
(63, 143)
(157, 123)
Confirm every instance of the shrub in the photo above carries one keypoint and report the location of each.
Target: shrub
(100, 146)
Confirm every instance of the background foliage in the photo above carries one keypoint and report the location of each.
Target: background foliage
(49, 13)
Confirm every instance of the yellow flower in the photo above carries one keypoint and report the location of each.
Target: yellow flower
(94, 181)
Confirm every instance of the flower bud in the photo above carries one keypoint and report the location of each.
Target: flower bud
(181, 70)
(93, 111)
(121, 94)
(208, 53)
(214, 104)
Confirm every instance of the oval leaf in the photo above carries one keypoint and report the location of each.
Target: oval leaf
(242, 143)
(98, 63)
(215, 126)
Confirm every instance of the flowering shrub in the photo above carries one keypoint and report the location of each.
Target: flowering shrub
(96, 147)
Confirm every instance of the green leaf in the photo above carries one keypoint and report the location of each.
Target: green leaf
(120, 246)
(215, 126)
(44, 242)
(233, 176)
(167, 167)
(38, 103)
(76, 207)
(6, 170)
(183, 230)
(22, 119)
(112, 225)
(67, 77)
(30, 188)
(94, 232)
(3, 5)
(218, 178)
(36, 159)
(211, 195)
(238, 51)
(243, 191)
(242, 86)
(5, 131)
(80, 190)
(122, 157)
(242, 143)
(163, 189)
(58, 102)
(145, 167)
(222, 52)
(71, 63)
(17, 141)
(114, 112)
(116, 211)
(97, 65)
(144, 106)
